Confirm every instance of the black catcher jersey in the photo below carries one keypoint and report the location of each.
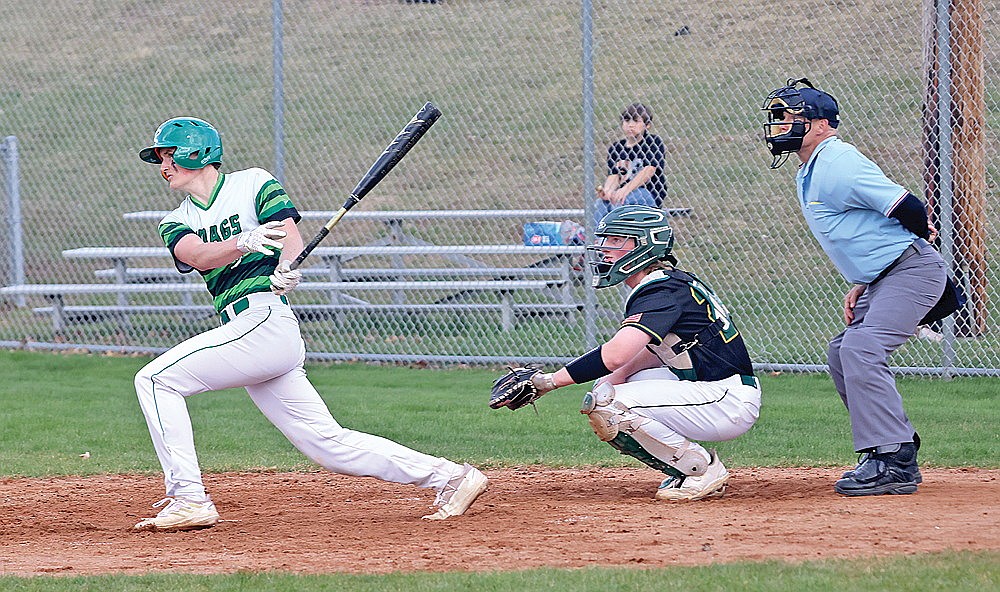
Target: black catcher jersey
(690, 329)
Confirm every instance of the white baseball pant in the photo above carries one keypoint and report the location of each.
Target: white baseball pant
(261, 349)
(684, 410)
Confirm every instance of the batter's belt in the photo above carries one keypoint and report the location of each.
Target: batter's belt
(258, 299)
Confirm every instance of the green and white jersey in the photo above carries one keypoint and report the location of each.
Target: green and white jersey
(240, 202)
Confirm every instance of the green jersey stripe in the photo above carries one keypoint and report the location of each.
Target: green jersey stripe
(273, 204)
(251, 258)
(280, 214)
(219, 282)
(247, 286)
(171, 232)
(222, 283)
(269, 193)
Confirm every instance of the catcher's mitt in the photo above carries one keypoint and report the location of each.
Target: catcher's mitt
(515, 389)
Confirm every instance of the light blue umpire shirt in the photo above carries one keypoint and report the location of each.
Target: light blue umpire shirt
(846, 198)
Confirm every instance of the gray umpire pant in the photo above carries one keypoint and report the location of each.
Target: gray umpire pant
(885, 316)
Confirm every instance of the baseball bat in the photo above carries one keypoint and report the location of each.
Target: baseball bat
(389, 158)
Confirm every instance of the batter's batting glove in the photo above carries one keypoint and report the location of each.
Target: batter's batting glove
(284, 279)
(262, 239)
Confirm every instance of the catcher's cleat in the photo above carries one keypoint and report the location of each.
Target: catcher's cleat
(712, 483)
(459, 493)
(181, 514)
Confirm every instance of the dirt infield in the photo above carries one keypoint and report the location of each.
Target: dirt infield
(529, 517)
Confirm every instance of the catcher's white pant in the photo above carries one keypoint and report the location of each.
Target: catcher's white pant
(261, 349)
(684, 410)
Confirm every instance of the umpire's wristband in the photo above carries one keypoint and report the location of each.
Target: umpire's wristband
(589, 366)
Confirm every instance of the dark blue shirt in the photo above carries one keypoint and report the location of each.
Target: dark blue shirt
(627, 161)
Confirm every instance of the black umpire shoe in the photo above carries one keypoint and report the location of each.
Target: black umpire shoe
(864, 456)
(883, 473)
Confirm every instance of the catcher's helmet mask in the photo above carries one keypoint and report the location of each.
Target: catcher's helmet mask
(196, 143)
(806, 104)
(654, 240)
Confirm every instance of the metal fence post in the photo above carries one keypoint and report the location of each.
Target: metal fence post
(14, 222)
(587, 37)
(947, 190)
(278, 97)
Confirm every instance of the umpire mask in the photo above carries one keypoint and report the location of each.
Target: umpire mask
(783, 135)
(653, 236)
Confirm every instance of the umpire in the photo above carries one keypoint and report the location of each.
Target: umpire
(876, 233)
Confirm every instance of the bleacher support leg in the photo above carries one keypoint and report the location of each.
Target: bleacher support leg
(506, 311)
(58, 315)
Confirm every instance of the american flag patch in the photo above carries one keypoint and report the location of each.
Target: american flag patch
(632, 319)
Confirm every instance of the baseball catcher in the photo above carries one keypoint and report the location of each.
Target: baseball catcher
(677, 370)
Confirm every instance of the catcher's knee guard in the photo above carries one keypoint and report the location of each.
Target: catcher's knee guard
(616, 424)
(603, 415)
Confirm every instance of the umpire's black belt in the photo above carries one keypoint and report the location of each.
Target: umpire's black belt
(910, 251)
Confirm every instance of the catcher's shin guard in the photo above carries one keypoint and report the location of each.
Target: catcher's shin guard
(617, 425)
(628, 446)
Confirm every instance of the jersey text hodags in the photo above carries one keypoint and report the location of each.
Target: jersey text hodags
(240, 202)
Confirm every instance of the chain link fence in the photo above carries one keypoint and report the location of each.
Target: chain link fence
(531, 94)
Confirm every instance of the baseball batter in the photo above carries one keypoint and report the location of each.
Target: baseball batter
(233, 228)
(677, 369)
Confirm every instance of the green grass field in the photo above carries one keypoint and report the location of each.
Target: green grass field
(88, 404)
(56, 407)
(974, 572)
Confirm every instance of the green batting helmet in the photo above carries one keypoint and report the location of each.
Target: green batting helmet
(653, 241)
(195, 141)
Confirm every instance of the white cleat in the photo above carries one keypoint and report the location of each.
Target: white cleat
(459, 493)
(181, 514)
(712, 483)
